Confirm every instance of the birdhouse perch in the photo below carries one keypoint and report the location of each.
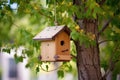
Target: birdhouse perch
(55, 43)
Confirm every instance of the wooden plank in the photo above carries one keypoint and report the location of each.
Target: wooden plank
(63, 57)
(48, 51)
(65, 47)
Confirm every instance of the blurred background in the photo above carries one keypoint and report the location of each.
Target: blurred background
(9, 70)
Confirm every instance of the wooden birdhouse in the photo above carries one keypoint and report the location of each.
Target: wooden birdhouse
(55, 43)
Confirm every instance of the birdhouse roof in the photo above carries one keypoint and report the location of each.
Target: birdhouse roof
(49, 33)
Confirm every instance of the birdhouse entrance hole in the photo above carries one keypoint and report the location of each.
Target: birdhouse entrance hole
(62, 43)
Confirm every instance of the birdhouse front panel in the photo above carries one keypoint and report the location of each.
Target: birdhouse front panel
(62, 41)
(48, 51)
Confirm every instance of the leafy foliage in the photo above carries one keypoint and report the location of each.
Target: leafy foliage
(19, 25)
(61, 73)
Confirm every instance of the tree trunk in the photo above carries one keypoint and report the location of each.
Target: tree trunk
(88, 60)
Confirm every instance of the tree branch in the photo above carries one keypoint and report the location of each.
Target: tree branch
(104, 41)
(44, 15)
(101, 2)
(117, 60)
(76, 2)
(104, 27)
(112, 62)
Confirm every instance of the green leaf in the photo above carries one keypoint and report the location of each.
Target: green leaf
(6, 50)
(47, 67)
(70, 68)
(18, 58)
(37, 69)
(94, 15)
(75, 35)
(60, 73)
(29, 53)
(27, 65)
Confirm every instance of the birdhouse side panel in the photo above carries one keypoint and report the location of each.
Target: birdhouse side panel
(62, 42)
(48, 51)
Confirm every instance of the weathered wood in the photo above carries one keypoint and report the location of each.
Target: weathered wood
(49, 33)
(48, 51)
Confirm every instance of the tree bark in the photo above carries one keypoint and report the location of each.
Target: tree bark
(88, 60)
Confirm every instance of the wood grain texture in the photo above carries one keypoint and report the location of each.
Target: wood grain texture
(62, 49)
(48, 51)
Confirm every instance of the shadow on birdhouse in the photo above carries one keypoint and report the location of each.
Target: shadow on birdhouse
(55, 43)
